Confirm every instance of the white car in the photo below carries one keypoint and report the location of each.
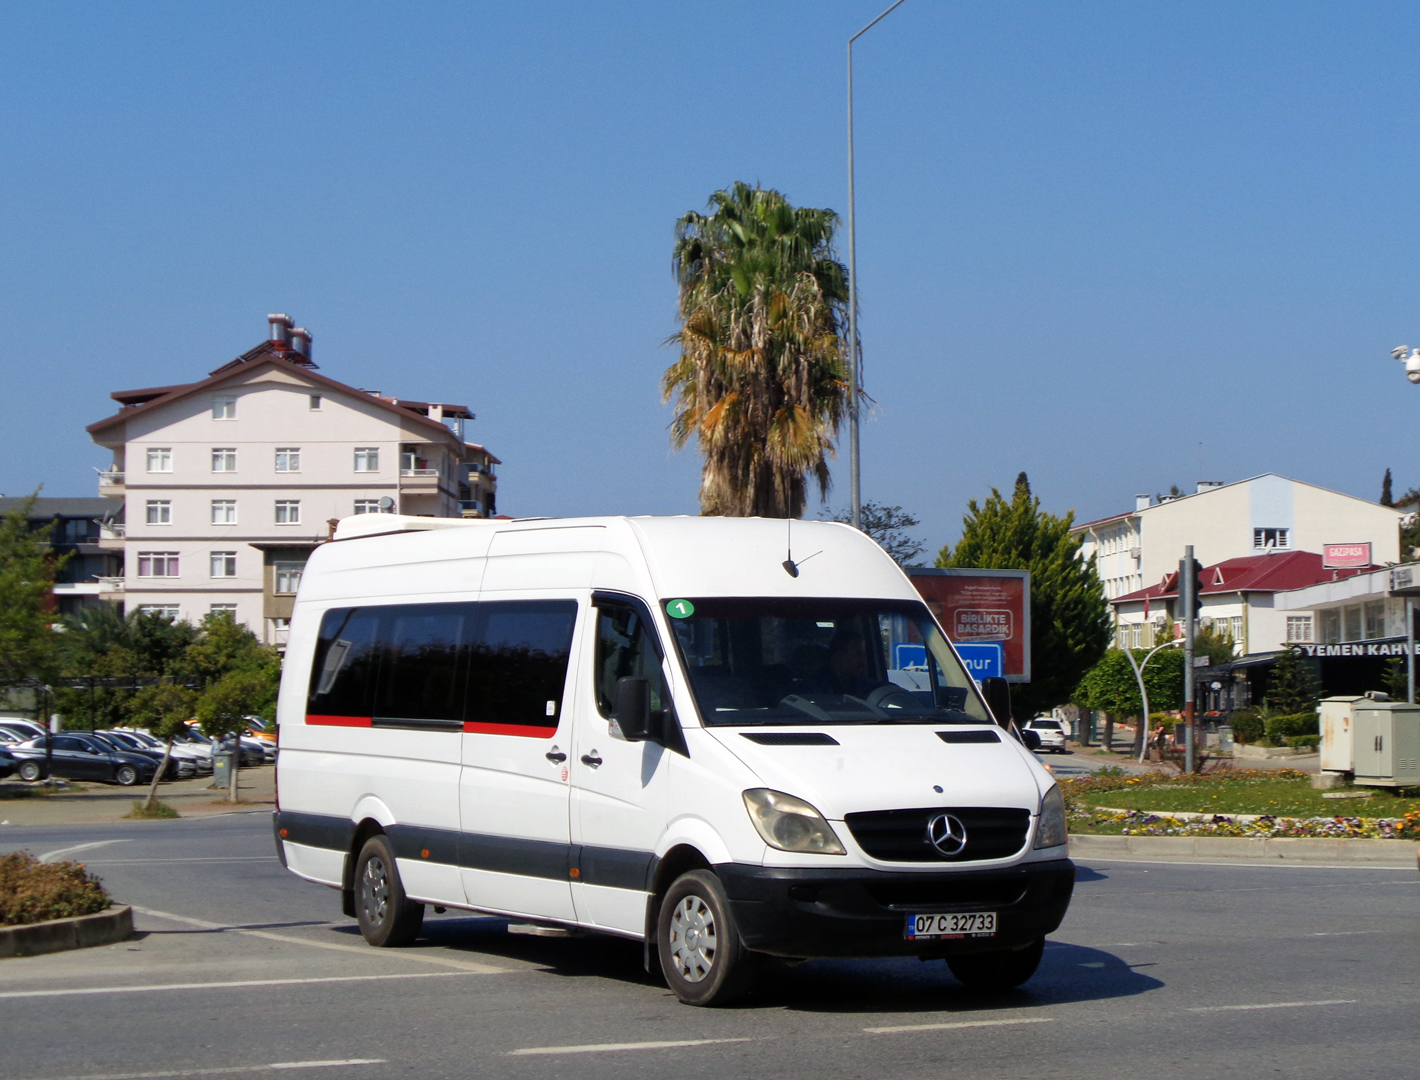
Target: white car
(1051, 732)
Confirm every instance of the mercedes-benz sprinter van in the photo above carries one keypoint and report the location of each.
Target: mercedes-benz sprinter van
(729, 738)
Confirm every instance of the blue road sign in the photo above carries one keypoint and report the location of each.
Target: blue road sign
(909, 657)
(984, 661)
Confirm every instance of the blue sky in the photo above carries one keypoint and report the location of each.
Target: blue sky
(1118, 246)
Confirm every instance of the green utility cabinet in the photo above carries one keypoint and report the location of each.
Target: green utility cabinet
(1387, 744)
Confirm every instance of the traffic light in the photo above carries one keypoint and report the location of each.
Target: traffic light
(1198, 584)
(1190, 588)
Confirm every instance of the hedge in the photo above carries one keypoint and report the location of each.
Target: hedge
(32, 891)
(1291, 725)
(1247, 726)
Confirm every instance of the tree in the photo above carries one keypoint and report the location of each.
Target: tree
(762, 379)
(27, 640)
(1110, 686)
(1217, 645)
(1292, 687)
(887, 525)
(242, 677)
(164, 709)
(1070, 628)
(223, 708)
(104, 657)
(1386, 498)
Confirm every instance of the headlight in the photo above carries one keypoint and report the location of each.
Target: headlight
(1050, 832)
(790, 824)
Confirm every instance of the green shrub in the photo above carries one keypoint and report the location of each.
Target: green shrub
(1247, 725)
(1303, 740)
(32, 891)
(1284, 726)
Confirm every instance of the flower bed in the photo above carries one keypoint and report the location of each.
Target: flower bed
(32, 891)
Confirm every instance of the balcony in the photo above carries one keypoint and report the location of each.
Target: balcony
(110, 585)
(111, 482)
(418, 472)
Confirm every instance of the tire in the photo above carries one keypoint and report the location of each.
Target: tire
(29, 770)
(702, 956)
(387, 917)
(995, 972)
(125, 775)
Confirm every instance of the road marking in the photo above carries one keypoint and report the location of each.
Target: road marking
(596, 1048)
(84, 991)
(1271, 1005)
(50, 855)
(1279, 864)
(958, 1024)
(470, 966)
(228, 1071)
(202, 859)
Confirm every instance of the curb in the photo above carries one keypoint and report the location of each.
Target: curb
(1296, 849)
(59, 935)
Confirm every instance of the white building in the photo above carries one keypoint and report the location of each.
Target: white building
(229, 482)
(1368, 607)
(1267, 513)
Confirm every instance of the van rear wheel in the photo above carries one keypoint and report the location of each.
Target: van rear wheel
(995, 972)
(702, 955)
(387, 917)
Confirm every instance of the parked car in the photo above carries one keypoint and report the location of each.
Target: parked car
(194, 750)
(1051, 732)
(79, 757)
(7, 763)
(21, 729)
(179, 768)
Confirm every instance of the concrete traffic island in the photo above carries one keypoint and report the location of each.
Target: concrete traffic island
(60, 935)
(1311, 850)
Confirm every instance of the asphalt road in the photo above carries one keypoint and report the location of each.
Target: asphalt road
(1161, 970)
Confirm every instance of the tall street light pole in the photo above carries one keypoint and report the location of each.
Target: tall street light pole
(855, 354)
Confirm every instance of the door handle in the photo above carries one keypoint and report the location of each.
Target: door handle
(591, 760)
(556, 756)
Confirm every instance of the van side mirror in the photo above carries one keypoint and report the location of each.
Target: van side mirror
(997, 692)
(1031, 738)
(633, 708)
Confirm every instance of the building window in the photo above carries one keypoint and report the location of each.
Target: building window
(315, 403)
(1299, 628)
(288, 459)
(414, 462)
(1375, 619)
(1265, 539)
(160, 512)
(288, 511)
(224, 459)
(160, 459)
(224, 511)
(224, 408)
(157, 564)
(223, 609)
(1351, 623)
(367, 506)
(367, 459)
(288, 577)
(165, 611)
(1234, 627)
(1331, 626)
(224, 564)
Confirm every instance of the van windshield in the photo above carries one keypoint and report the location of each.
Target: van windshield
(770, 660)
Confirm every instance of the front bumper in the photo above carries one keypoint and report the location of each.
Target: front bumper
(853, 912)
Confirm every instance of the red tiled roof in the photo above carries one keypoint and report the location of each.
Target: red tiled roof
(1252, 573)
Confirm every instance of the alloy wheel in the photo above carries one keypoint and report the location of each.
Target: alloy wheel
(375, 890)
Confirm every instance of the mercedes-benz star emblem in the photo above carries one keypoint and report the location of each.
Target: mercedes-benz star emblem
(947, 834)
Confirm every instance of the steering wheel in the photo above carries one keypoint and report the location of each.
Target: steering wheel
(882, 697)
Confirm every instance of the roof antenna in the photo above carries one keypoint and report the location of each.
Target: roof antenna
(790, 566)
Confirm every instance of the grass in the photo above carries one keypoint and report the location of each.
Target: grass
(159, 809)
(1277, 798)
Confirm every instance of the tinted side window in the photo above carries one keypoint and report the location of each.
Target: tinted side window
(627, 645)
(518, 662)
(68, 742)
(423, 661)
(347, 664)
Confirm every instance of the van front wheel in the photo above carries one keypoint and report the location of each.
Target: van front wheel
(387, 917)
(996, 972)
(702, 957)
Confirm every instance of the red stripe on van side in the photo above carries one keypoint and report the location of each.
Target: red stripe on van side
(338, 721)
(509, 729)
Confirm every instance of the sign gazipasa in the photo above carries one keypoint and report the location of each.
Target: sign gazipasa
(981, 606)
(1345, 556)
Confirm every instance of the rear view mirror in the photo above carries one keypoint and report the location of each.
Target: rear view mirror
(633, 708)
(997, 692)
(1030, 738)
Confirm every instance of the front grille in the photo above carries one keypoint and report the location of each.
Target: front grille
(901, 835)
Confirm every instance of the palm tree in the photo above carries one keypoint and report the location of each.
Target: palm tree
(761, 381)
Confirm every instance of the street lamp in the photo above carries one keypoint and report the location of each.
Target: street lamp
(855, 356)
(1144, 694)
(1400, 352)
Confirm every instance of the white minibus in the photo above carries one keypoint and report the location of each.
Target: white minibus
(728, 738)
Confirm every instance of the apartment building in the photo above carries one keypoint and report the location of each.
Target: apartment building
(228, 483)
(1261, 515)
(76, 531)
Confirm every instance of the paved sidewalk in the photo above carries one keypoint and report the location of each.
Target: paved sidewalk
(94, 804)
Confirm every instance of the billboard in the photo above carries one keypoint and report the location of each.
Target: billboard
(1345, 556)
(978, 607)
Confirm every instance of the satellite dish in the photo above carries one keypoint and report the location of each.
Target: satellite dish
(386, 504)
